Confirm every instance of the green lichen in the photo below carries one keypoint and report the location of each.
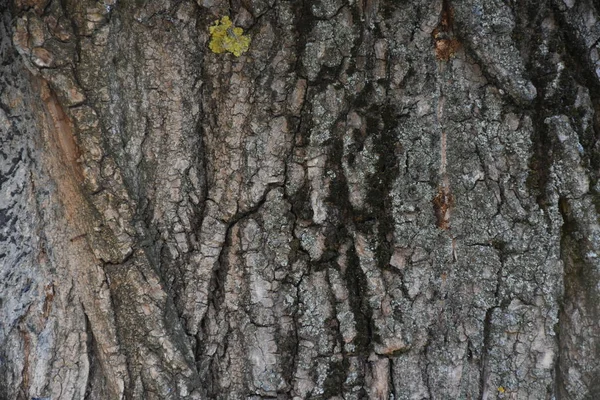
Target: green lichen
(224, 37)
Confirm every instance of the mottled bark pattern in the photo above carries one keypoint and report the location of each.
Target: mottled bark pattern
(380, 199)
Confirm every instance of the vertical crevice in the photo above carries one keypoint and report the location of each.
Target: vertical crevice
(392, 386)
(486, 347)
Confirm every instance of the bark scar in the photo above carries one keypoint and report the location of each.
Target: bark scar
(442, 204)
(48, 300)
(444, 41)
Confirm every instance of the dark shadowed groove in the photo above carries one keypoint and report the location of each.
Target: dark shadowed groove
(486, 348)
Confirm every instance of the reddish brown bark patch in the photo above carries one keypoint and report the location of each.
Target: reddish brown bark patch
(442, 204)
(445, 48)
(445, 44)
(59, 130)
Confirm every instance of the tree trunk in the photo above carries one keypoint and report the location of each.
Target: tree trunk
(379, 199)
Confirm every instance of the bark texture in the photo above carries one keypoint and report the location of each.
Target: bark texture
(380, 199)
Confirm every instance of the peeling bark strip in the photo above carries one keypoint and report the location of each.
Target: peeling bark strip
(247, 214)
(61, 139)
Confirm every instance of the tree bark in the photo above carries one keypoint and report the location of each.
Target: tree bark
(380, 199)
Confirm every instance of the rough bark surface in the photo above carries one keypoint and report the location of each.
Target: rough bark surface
(380, 199)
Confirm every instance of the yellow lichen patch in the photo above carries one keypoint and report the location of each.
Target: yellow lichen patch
(501, 389)
(224, 37)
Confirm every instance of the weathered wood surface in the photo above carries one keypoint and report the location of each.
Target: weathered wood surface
(380, 199)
